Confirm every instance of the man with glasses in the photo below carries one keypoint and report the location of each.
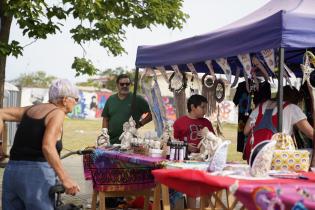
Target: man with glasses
(117, 109)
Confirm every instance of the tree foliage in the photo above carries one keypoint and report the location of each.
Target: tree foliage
(37, 79)
(112, 74)
(103, 21)
(107, 78)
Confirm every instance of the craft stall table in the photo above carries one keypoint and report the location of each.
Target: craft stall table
(197, 183)
(116, 173)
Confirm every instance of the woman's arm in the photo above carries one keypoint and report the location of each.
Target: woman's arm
(248, 127)
(305, 127)
(52, 134)
(11, 114)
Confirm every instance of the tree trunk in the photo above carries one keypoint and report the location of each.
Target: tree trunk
(5, 25)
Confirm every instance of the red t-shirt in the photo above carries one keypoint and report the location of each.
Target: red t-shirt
(185, 126)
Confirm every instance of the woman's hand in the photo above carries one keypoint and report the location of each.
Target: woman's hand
(71, 187)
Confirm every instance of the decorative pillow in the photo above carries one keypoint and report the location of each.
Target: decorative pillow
(218, 160)
(284, 141)
(261, 158)
(291, 160)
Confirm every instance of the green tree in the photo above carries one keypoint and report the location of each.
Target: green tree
(37, 79)
(103, 21)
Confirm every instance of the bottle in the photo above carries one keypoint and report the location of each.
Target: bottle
(176, 152)
(185, 148)
(168, 148)
(172, 152)
(181, 152)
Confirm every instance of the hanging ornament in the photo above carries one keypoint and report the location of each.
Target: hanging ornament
(155, 101)
(219, 90)
(208, 88)
(177, 80)
(209, 79)
(306, 66)
(178, 84)
(195, 84)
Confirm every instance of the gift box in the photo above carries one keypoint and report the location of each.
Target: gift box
(291, 160)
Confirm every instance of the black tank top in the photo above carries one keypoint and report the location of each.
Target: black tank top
(28, 139)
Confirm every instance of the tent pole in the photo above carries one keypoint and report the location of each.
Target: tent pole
(280, 88)
(135, 87)
(136, 81)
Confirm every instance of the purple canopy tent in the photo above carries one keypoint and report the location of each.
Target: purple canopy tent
(285, 25)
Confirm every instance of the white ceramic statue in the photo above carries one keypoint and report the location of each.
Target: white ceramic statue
(129, 133)
(103, 139)
(207, 146)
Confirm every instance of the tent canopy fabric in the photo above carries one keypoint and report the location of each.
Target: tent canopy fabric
(279, 23)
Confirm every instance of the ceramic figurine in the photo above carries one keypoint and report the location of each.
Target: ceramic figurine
(103, 139)
(129, 133)
(207, 146)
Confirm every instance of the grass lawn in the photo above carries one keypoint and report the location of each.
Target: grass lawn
(79, 134)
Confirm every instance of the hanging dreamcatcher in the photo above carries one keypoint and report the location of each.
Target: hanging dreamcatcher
(209, 82)
(178, 80)
(214, 91)
(219, 91)
(195, 84)
(178, 84)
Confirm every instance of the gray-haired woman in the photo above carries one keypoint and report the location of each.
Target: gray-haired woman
(34, 157)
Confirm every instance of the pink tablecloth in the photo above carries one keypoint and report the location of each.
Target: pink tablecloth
(118, 171)
(197, 183)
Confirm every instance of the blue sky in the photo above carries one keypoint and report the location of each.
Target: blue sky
(55, 54)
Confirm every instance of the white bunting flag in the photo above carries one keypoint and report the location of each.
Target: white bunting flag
(269, 56)
(225, 67)
(246, 63)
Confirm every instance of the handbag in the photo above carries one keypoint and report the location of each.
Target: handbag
(286, 157)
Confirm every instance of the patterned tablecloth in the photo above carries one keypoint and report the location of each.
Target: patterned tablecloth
(119, 171)
(199, 182)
